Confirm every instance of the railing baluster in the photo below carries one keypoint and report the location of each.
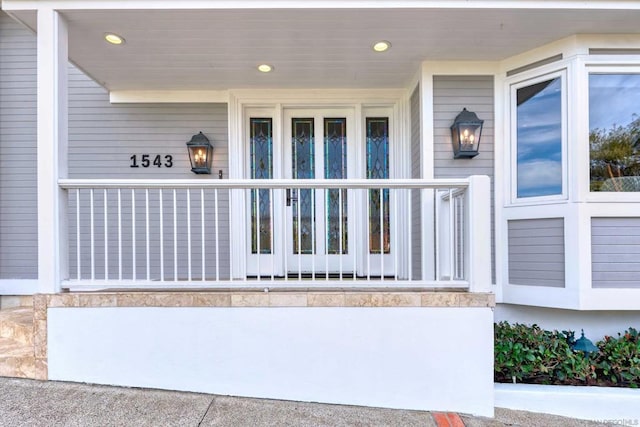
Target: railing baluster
(133, 233)
(314, 252)
(161, 203)
(175, 238)
(298, 227)
(202, 233)
(326, 235)
(215, 206)
(368, 233)
(394, 235)
(381, 234)
(258, 240)
(230, 255)
(286, 241)
(106, 238)
(437, 201)
(78, 258)
(93, 261)
(146, 231)
(409, 244)
(354, 241)
(452, 232)
(119, 234)
(340, 229)
(189, 234)
(271, 233)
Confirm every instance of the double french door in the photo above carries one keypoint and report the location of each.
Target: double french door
(319, 232)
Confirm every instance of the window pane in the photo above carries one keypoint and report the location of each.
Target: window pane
(261, 158)
(378, 168)
(539, 139)
(335, 167)
(303, 163)
(614, 132)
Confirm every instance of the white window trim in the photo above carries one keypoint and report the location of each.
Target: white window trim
(513, 85)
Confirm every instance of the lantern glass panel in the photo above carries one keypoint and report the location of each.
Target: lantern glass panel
(465, 134)
(200, 154)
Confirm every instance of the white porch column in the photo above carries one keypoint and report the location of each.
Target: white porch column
(478, 235)
(52, 149)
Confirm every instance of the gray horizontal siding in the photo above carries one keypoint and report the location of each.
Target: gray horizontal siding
(450, 95)
(536, 252)
(18, 197)
(615, 252)
(102, 138)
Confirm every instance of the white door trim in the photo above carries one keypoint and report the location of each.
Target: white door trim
(243, 102)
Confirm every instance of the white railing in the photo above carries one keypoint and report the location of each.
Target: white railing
(202, 234)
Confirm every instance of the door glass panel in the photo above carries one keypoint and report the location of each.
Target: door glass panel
(303, 161)
(378, 168)
(261, 158)
(335, 167)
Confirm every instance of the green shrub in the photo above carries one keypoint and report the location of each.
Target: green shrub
(619, 359)
(532, 355)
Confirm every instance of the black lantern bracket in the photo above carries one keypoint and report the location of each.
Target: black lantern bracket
(200, 154)
(466, 131)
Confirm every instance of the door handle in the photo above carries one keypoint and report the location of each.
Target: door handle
(292, 196)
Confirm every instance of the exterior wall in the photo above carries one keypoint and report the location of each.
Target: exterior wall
(596, 324)
(450, 95)
(615, 250)
(347, 355)
(18, 201)
(102, 138)
(416, 172)
(536, 252)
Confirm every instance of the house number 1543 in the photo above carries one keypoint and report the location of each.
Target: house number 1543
(146, 161)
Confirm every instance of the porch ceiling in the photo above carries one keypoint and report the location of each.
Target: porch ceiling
(312, 48)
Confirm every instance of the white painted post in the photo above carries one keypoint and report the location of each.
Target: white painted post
(52, 112)
(478, 234)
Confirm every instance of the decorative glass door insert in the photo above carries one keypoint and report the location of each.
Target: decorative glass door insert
(261, 165)
(378, 168)
(319, 230)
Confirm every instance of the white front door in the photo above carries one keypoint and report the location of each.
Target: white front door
(319, 229)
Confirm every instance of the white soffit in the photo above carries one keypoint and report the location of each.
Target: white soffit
(219, 49)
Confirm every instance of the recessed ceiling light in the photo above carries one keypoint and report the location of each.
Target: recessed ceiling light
(265, 68)
(381, 46)
(114, 38)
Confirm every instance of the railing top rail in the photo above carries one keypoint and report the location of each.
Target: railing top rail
(262, 183)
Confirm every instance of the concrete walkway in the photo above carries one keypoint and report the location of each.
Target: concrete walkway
(36, 403)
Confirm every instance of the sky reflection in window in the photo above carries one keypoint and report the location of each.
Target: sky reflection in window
(539, 139)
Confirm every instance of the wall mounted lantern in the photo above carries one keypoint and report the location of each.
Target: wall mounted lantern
(465, 134)
(200, 154)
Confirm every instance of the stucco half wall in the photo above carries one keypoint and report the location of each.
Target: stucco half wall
(427, 358)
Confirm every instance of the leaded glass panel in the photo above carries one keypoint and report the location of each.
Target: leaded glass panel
(261, 158)
(335, 167)
(378, 168)
(303, 161)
